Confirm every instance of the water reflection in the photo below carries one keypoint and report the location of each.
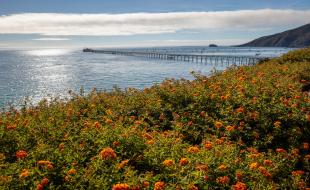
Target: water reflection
(48, 52)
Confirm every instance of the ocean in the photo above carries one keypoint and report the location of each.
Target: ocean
(35, 74)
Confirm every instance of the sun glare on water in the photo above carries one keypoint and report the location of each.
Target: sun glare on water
(48, 52)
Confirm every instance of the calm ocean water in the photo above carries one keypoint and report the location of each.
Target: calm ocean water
(40, 73)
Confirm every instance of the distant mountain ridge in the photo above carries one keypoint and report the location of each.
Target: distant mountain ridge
(295, 38)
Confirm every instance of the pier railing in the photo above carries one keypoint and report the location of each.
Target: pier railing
(227, 60)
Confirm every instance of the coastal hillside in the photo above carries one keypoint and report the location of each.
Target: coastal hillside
(295, 38)
(243, 128)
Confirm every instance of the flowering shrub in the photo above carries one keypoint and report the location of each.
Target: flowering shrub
(243, 128)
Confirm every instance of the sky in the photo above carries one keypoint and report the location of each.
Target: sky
(144, 23)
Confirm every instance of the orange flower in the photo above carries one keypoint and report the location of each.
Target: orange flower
(24, 174)
(150, 142)
(193, 149)
(280, 150)
(71, 171)
(297, 173)
(9, 127)
(40, 187)
(121, 186)
(239, 186)
(222, 167)
(145, 184)
(264, 171)
(116, 143)
(122, 164)
(305, 146)
(44, 162)
(239, 175)
(193, 187)
(97, 124)
(208, 145)
(168, 163)
(107, 153)
(268, 162)
(218, 124)
(21, 154)
(159, 185)
(183, 161)
(240, 110)
(50, 166)
(147, 136)
(223, 98)
(254, 165)
(230, 128)
(219, 141)
(108, 121)
(202, 167)
(277, 124)
(223, 180)
(61, 146)
(202, 114)
(44, 181)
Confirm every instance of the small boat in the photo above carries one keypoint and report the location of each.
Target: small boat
(88, 50)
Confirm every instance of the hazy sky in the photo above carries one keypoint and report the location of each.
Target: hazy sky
(118, 23)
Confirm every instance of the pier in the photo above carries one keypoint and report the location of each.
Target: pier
(226, 60)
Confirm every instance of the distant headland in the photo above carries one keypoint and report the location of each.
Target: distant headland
(295, 38)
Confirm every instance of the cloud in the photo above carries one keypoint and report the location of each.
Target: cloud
(58, 24)
(51, 39)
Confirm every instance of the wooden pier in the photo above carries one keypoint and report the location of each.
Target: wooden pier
(226, 60)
